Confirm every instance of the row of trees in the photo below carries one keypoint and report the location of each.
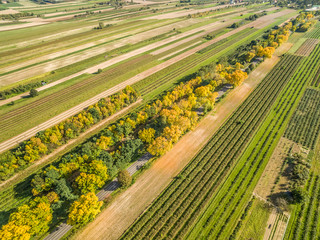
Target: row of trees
(254, 52)
(45, 141)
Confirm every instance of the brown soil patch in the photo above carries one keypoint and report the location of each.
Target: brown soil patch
(115, 219)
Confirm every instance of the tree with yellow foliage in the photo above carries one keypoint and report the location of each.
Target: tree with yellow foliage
(249, 56)
(93, 176)
(104, 142)
(172, 133)
(147, 135)
(269, 51)
(237, 77)
(159, 146)
(84, 210)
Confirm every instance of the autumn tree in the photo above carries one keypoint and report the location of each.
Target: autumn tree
(172, 133)
(159, 146)
(92, 176)
(104, 142)
(237, 77)
(147, 135)
(249, 56)
(84, 210)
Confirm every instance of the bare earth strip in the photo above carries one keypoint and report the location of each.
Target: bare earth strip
(62, 148)
(115, 219)
(18, 26)
(55, 120)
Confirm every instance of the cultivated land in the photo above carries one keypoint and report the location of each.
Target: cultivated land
(231, 92)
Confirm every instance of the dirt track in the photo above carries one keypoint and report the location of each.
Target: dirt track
(114, 220)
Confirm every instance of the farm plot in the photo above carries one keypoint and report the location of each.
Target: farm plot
(315, 33)
(307, 47)
(225, 208)
(172, 214)
(256, 223)
(306, 221)
(316, 80)
(160, 78)
(18, 120)
(304, 126)
(64, 42)
(77, 56)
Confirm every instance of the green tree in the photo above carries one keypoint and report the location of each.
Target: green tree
(124, 178)
(33, 93)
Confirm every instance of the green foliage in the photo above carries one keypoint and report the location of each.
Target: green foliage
(124, 178)
(33, 93)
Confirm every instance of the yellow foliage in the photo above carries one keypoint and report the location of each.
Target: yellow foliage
(147, 135)
(159, 146)
(84, 210)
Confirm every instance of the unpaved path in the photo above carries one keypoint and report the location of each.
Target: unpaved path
(115, 219)
(12, 180)
(270, 224)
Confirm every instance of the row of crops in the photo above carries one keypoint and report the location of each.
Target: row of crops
(226, 206)
(315, 33)
(179, 206)
(316, 80)
(306, 219)
(304, 126)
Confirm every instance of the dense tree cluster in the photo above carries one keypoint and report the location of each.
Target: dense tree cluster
(29, 220)
(45, 141)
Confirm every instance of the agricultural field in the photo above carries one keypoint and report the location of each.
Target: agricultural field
(167, 119)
